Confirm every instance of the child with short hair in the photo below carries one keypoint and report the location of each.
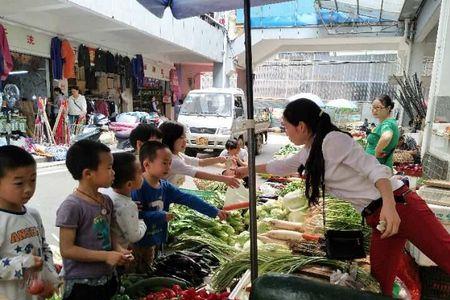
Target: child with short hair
(23, 248)
(156, 195)
(128, 177)
(234, 151)
(89, 250)
(144, 133)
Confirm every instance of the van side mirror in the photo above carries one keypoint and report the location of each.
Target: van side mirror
(238, 112)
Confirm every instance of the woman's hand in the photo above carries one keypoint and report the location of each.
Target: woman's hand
(232, 182)
(390, 218)
(241, 172)
(221, 159)
(379, 153)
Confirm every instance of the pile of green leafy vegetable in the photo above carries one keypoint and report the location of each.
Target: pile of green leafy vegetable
(292, 186)
(286, 150)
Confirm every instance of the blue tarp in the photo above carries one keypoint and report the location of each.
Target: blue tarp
(296, 14)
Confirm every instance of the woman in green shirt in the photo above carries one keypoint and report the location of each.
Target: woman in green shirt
(383, 139)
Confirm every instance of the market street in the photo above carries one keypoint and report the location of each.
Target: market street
(55, 183)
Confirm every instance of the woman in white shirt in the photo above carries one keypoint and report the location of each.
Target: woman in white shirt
(333, 161)
(77, 106)
(174, 137)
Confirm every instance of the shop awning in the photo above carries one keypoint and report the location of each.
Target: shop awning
(185, 8)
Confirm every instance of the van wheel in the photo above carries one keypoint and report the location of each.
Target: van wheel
(191, 152)
(259, 143)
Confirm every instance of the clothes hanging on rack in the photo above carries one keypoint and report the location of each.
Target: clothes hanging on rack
(101, 107)
(55, 55)
(111, 66)
(100, 61)
(68, 57)
(91, 80)
(6, 61)
(138, 69)
(84, 63)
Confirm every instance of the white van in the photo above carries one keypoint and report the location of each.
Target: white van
(214, 115)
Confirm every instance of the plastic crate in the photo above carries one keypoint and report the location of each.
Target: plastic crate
(435, 283)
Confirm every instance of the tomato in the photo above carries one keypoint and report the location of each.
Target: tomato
(169, 293)
(48, 291)
(177, 289)
(36, 287)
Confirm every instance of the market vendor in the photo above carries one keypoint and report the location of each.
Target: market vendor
(382, 141)
(77, 106)
(407, 143)
(333, 161)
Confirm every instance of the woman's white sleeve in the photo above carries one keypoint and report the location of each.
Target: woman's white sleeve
(179, 167)
(189, 160)
(339, 147)
(288, 165)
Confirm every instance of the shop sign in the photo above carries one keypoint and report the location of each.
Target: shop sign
(26, 41)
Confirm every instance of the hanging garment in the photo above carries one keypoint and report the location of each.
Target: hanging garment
(101, 107)
(138, 70)
(6, 61)
(111, 107)
(91, 80)
(90, 107)
(100, 61)
(127, 71)
(68, 56)
(84, 61)
(111, 66)
(55, 55)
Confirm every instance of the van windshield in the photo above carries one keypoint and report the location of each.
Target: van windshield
(207, 104)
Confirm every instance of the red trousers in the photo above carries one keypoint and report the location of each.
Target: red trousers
(420, 226)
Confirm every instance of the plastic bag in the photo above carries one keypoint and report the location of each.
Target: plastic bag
(236, 198)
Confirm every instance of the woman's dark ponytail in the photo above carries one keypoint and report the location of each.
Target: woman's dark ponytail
(319, 122)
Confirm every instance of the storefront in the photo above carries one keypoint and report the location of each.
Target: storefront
(155, 94)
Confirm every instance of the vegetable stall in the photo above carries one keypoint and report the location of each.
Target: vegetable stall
(208, 259)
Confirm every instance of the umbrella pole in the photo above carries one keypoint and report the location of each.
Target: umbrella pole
(251, 142)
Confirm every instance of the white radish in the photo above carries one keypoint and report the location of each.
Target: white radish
(284, 235)
(280, 224)
(268, 240)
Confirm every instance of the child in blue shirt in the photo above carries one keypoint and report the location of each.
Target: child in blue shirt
(155, 197)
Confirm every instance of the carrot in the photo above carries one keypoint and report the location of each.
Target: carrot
(236, 206)
(311, 237)
(280, 224)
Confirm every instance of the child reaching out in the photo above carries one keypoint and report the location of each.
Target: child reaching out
(23, 249)
(128, 177)
(156, 195)
(89, 251)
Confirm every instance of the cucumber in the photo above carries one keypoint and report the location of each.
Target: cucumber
(154, 284)
(291, 287)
